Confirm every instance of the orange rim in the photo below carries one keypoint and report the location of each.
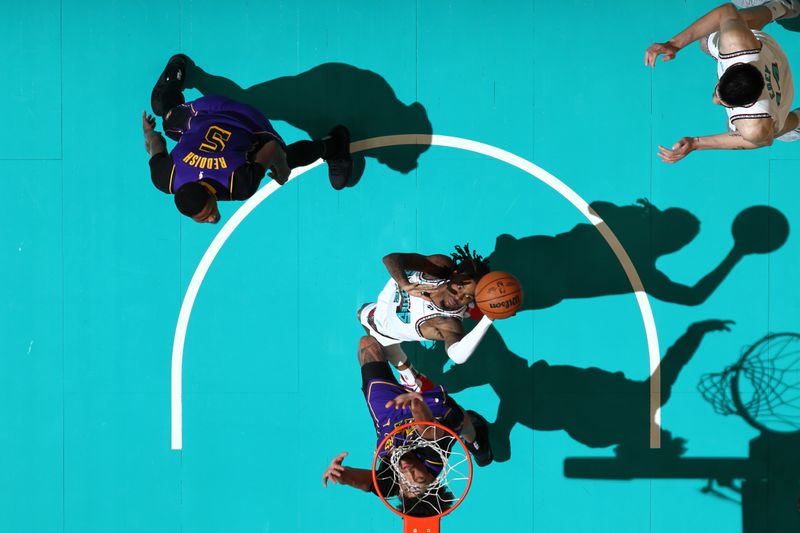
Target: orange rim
(429, 524)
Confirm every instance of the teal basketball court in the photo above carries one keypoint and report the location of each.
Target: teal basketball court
(120, 414)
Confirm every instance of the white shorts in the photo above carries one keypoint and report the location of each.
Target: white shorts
(363, 317)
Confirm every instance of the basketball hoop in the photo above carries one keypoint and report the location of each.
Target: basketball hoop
(763, 386)
(422, 471)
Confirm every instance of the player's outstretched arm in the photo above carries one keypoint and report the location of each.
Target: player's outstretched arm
(154, 142)
(719, 19)
(459, 346)
(679, 354)
(747, 138)
(422, 413)
(354, 477)
(661, 287)
(398, 263)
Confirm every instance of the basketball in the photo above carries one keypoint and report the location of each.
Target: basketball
(760, 229)
(498, 295)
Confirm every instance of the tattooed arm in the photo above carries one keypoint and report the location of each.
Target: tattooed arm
(751, 134)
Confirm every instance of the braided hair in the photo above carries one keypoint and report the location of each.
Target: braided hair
(468, 264)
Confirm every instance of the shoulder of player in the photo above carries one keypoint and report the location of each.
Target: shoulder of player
(757, 130)
(736, 37)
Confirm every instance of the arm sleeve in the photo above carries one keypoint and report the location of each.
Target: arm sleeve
(162, 170)
(245, 180)
(460, 351)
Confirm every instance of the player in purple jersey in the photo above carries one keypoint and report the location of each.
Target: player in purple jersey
(392, 405)
(225, 148)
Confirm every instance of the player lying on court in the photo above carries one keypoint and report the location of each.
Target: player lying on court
(391, 406)
(225, 148)
(755, 83)
(426, 299)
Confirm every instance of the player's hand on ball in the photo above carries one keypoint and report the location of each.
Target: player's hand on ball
(679, 150)
(404, 400)
(656, 49)
(334, 470)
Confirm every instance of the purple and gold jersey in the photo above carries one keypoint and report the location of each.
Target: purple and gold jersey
(219, 135)
(386, 419)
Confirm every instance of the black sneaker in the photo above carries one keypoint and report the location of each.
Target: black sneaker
(337, 155)
(167, 92)
(480, 449)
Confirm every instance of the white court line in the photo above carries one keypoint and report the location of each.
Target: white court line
(433, 140)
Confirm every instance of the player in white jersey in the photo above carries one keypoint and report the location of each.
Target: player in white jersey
(426, 299)
(755, 82)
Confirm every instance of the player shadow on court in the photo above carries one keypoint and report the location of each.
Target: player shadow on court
(580, 264)
(329, 94)
(792, 24)
(595, 407)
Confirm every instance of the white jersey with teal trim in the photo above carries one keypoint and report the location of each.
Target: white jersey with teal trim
(775, 101)
(400, 316)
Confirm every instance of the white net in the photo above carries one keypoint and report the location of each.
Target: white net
(425, 472)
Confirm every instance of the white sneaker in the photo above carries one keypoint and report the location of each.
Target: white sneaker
(792, 6)
(743, 4)
(792, 9)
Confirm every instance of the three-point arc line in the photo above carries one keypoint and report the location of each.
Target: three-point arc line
(433, 140)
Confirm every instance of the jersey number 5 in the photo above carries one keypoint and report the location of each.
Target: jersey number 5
(215, 138)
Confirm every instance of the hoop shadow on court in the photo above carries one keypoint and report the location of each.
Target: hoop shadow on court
(762, 388)
(580, 264)
(599, 408)
(329, 94)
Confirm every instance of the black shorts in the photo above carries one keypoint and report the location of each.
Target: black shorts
(376, 370)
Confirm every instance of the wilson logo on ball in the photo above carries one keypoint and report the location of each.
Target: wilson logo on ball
(505, 304)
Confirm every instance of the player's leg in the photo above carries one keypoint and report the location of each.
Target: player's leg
(791, 127)
(370, 351)
(334, 149)
(473, 430)
(167, 92)
(393, 352)
(409, 375)
(758, 13)
(377, 379)
(756, 17)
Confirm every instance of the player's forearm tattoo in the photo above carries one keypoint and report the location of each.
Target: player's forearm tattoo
(739, 135)
(155, 143)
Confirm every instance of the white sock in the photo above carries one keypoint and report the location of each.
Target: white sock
(777, 8)
(409, 375)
